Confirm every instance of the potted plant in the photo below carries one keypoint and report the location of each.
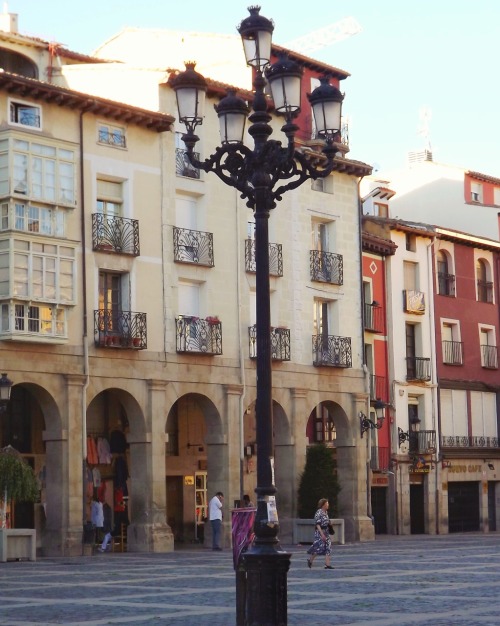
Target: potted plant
(18, 483)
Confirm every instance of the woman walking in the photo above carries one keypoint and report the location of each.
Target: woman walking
(322, 543)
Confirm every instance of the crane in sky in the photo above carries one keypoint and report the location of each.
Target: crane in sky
(324, 37)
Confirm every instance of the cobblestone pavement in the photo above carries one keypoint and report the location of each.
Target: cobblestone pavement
(451, 580)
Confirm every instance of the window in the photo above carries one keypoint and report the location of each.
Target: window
(496, 196)
(488, 347)
(39, 171)
(320, 236)
(445, 279)
(24, 319)
(33, 219)
(112, 135)
(484, 284)
(381, 210)
(452, 346)
(476, 192)
(109, 198)
(40, 271)
(453, 411)
(324, 425)
(483, 414)
(411, 242)
(410, 276)
(25, 114)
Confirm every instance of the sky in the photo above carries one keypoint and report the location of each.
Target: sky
(434, 56)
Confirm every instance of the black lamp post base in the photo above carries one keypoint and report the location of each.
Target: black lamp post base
(264, 578)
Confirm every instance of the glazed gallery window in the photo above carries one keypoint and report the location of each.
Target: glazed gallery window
(32, 219)
(25, 114)
(40, 271)
(112, 136)
(38, 171)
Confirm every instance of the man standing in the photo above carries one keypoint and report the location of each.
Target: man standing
(215, 516)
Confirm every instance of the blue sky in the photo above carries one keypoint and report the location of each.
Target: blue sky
(437, 54)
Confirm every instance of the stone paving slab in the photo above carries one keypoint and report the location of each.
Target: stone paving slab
(451, 580)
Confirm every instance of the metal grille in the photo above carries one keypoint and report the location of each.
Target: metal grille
(115, 234)
(201, 336)
(327, 267)
(275, 258)
(193, 246)
(120, 329)
(332, 351)
(280, 343)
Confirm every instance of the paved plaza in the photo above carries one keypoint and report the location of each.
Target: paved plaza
(451, 580)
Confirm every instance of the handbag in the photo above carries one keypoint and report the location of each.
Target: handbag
(331, 530)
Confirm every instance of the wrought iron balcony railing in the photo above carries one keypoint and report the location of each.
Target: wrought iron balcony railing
(182, 165)
(446, 284)
(378, 388)
(193, 246)
(489, 357)
(111, 233)
(197, 335)
(418, 368)
(380, 458)
(120, 329)
(448, 441)
(422, 442)
(414, 301)
(280, 343)
(327, 267)
(453, 352)
(374, 318)
(332, 351)
(275, 258)
(484, 291)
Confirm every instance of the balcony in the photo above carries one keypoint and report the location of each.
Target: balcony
(378, 388)
(446, 284)
(111, 233)
(280, 343)
(414, 301)
(331, 351)
(182, 165)
(198, 336)
(465, 441)
(489, 357)
(374, 318)
(193, 246)
(120, 329)
(418, 368)
(453, 352)
(380, 458)
(327, 267)
(422, 442)
(275, 258)
(484, 291)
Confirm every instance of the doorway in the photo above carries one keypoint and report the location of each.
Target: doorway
(379, 509)
(463, 507)
(417, 510)
(175, 504)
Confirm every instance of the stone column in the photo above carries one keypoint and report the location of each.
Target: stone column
(65, 477)
(353, 497)
(148, 530)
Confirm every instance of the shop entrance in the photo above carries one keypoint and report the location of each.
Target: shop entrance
(417, 510)
(463, 507)
(379, 509)
(175, 504)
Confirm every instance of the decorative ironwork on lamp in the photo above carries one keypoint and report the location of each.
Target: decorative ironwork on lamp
(405, 436)
(5, 389)
(262, 175)
(366, 423)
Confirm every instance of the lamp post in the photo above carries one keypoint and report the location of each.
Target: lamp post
(5, 389)
(257, 175)
(367, 424)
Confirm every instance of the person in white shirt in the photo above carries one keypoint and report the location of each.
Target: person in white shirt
(215, 517)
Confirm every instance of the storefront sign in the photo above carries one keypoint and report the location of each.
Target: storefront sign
(419, 465)
(463, 469)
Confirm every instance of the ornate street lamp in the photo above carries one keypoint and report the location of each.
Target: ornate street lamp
(5, 389)
(367, 424)
(258, 174)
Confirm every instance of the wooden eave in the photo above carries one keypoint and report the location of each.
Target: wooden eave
(23, 87)
(466, 239)
(483, 177)
(472, 385)
(312, 64)
(377, 245)
(352, 167)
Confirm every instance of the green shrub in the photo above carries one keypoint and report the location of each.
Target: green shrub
(17, 479)
(319, 480)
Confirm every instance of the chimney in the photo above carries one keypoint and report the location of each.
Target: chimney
(8, 21)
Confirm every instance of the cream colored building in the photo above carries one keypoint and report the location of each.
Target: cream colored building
(146, 342)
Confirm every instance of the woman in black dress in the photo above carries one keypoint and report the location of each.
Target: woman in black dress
(322, 543)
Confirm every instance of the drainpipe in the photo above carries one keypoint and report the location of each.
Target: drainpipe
(84, 319)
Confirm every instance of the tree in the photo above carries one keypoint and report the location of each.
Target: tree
(319, 480)
(17, 479)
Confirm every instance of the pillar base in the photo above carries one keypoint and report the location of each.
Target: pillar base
(264, 587)
(150, 538)
(62, 542)
(359, 528)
